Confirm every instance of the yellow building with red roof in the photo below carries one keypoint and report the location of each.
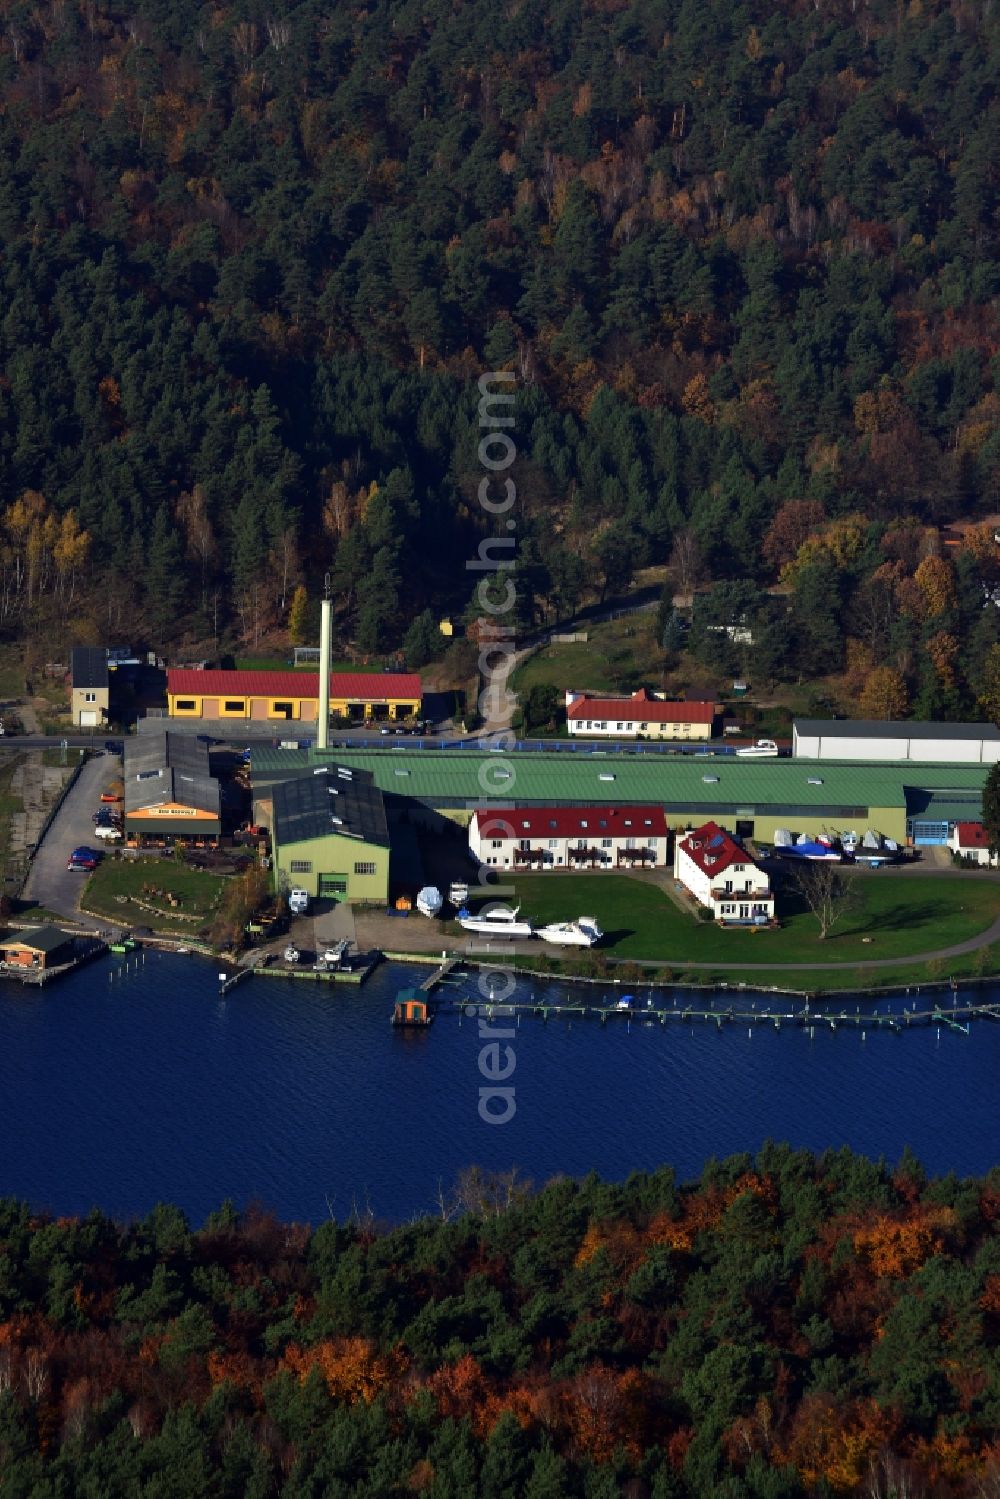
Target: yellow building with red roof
(291, 696)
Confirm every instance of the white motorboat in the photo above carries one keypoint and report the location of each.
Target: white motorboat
(331, 957)
(764, 749)
(495, 921)
(429, 900)
(458, 894)
(583, 932)
(291, 953)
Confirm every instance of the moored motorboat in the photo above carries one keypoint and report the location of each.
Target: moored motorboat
(495, 921)
(584, 932)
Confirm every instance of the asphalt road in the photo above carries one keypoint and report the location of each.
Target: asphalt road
(49, 882)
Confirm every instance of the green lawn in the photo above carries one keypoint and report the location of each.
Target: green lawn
(616, 657)
(901, 915)
(197, 892)
(855, 977)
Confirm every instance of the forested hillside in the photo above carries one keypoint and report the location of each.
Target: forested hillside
(741, 257)
(785, 1327)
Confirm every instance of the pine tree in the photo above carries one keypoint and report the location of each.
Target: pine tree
(164, 575)
(991, 809)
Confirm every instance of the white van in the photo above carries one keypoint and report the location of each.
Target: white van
(298, 901)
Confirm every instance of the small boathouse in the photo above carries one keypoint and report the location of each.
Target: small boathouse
(37, 947)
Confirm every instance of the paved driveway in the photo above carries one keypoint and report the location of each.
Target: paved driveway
(49, 882)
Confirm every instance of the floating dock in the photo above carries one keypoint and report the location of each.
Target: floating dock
(355, 972)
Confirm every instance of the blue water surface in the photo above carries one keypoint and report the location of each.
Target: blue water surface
(122, 1086)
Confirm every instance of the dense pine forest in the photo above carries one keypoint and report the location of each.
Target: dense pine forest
(786, 1326)
(740, 257)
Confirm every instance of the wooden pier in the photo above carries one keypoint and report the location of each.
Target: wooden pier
(440, 974)
(955, 1017)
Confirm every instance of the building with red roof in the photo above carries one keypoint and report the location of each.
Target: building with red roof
(720, 874)
(620, 837)
(971, 840)
(642, 715)
(291, 696)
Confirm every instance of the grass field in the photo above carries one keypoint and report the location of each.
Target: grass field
(851, 978)
(197, 892)
(610, 660)
(900, 915)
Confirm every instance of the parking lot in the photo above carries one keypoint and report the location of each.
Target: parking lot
(49, 882)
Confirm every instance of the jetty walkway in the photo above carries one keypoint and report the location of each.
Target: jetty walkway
(654, 1011)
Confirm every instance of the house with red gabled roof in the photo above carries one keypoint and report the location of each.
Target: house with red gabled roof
(621, 837)
(643, 715)
(291, 696)
(720, 874)
(971, 841)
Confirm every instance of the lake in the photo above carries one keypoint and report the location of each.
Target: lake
(148, 1087)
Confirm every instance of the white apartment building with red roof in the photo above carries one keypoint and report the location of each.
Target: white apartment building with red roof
(720, 874)
(620, 837)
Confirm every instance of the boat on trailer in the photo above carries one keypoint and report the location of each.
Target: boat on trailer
(495, 921)
(583, 932)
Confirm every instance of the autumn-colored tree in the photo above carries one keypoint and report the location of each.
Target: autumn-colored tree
(989, 685)
(793, 523)
(942, 649)
(884, 695)
(352, 1368)
(697, 400)
(603, 1410)
(936, 580)
(980, 543)
(837, 545)
(833, 1444)
(905, 541)
(879, 410)
(459, 1389)
(298, 615)
(896, 1247)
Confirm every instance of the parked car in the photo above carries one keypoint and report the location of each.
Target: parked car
(114, 746)
(110, 796)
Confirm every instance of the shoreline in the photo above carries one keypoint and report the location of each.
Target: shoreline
(724, 986)
(169, 943)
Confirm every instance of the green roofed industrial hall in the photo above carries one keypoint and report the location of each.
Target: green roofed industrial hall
(903, 801)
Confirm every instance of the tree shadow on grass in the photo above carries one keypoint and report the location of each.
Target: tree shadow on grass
(894, 919)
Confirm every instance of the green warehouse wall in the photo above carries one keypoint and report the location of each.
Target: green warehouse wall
(335, 855)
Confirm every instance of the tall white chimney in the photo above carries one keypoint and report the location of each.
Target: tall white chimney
(325, 653)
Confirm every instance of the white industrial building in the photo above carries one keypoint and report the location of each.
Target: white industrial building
(721, 875)
(882, 739)
(570, 837)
